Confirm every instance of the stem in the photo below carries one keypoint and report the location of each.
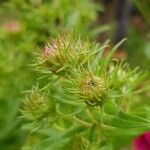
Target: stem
(57, 127)
(101, 115)
(88, 112)
(84, 123)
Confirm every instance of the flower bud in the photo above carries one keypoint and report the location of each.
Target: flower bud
(87, 87)
(92, 88)
(57, 56)
(35, 106)
(79, 142)
(65, 53)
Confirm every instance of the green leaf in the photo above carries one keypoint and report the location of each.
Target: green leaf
(92, 133)
(107, 147)
(108, 58)
(119, 132)
(124, 122)
(132, 118)
(62, 138)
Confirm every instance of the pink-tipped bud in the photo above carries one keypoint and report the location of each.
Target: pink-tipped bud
(50, 50)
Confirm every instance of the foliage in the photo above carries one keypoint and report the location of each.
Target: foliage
(89, 96)
(144, 7)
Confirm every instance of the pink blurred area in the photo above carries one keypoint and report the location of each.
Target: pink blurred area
(12, 26)
(142, 142)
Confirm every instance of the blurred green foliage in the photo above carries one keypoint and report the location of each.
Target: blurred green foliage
(144, 7)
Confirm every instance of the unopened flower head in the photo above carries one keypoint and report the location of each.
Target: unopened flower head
(35, 106)
(88, 87)
(92, 87)
(57, 56)
(79, 142)
(63, 54)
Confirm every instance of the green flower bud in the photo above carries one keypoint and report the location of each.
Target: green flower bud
(92, 88)
(35, 106)
(58, 56)
(65, 53)
(79, 143)
(87, 87)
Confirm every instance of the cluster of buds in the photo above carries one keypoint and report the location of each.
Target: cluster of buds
(90, 92)
(70, 57)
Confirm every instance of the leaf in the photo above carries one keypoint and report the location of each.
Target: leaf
(129, 117)
(119, 132)
(107, 147)
(58, 145)
(108, 58)
(111, 108)
(117, 118)
(62, 138)
(92, 133)
(126, 122)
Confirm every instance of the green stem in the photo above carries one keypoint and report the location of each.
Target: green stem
(101, 115)
(89, 114)
(84, 123)
(57, 127)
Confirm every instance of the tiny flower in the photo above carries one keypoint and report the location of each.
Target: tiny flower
(142, 142)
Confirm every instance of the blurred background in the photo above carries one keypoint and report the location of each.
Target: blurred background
(25, 27)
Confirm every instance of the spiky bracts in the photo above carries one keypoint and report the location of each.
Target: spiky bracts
(86, 87)
(62, 55)
(85, 76)
(36, 106)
